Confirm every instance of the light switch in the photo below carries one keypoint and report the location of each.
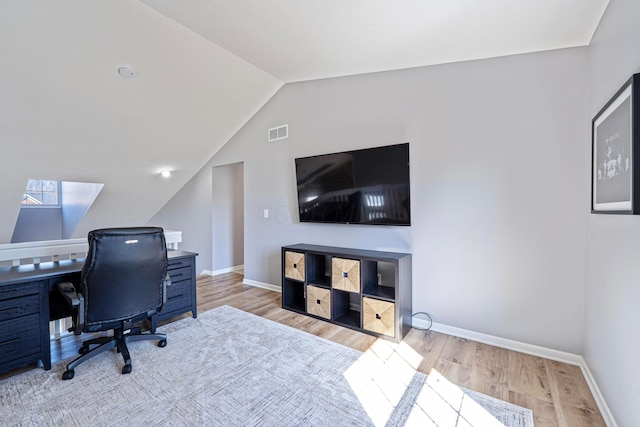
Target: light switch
(265, 213)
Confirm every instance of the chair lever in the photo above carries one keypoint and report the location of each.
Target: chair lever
(165, 284)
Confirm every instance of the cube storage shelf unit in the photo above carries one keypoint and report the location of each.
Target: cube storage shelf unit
(369, 291)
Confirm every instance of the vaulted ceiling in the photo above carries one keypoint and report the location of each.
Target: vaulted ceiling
(203, 68)
(297, 40)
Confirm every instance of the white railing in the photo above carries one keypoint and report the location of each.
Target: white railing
(60, 327)
(15, 254)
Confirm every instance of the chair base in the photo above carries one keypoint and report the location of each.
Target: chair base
(119, 341)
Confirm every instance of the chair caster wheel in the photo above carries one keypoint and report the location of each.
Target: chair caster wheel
(67, 375)
(83, 350)
(126, 369)
(162, 343)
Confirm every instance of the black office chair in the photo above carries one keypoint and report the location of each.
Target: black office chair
(123, 281)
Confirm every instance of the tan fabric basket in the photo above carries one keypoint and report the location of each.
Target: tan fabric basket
(345, 274)
(319, 301)
(378, 316)
(294, 265)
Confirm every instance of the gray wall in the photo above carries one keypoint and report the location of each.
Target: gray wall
(76, 199)
(36, 224)
(209, 211)
(189, 211)
(498, 173)
(228, 216)
(612, 316)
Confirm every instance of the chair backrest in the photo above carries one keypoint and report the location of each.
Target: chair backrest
(122, 278)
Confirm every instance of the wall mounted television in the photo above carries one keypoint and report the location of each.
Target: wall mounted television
(368, 186)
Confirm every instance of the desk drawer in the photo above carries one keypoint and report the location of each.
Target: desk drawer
(18, 290)
(17, 307)
(179, 263)
(178, 296)
(180, 274)
(181, 294)
(19, 337)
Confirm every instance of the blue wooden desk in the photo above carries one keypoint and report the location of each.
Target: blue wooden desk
(28, 302)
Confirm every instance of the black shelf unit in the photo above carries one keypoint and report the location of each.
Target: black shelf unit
(318, 269)
(293, 295)
(344, 309)
(384, 280)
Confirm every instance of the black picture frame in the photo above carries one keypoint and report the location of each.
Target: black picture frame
(615, 153)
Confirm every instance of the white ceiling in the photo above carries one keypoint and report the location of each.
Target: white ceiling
(296, 40)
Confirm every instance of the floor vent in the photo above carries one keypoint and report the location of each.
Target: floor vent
(278, 133)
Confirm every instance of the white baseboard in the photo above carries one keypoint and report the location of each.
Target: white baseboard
(240, 269)
(235, 269)
(262, 285)
(607, 415)
(547, 353)
(534, 350)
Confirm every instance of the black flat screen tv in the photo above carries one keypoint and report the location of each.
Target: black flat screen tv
(368, 186)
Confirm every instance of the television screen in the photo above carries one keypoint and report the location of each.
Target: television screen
(369, 186)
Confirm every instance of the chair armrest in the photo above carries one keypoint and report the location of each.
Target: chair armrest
(69, 293)
(75, 300)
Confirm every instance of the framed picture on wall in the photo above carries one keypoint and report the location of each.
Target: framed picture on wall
(615, 137)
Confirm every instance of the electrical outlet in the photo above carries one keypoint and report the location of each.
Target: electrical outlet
(379, 279)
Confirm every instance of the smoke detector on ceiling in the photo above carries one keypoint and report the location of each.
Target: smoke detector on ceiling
(126, 72)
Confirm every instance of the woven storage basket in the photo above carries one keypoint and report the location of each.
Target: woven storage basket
(378, 316)
(345, 274)
(294, 265)
(319, 301)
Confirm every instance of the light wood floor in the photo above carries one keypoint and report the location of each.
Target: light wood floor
(557, 393)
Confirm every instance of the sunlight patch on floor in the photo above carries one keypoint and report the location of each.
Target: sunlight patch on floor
(380, 379)
(381, 376)
(442, 403)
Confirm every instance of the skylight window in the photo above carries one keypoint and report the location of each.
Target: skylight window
(42, 193)
(52, 210)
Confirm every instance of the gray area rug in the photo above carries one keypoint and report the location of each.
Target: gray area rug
(231, 368)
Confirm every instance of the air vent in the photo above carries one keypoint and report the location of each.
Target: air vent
(278, 133)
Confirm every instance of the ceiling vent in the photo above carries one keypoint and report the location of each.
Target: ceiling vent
(278, 133)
